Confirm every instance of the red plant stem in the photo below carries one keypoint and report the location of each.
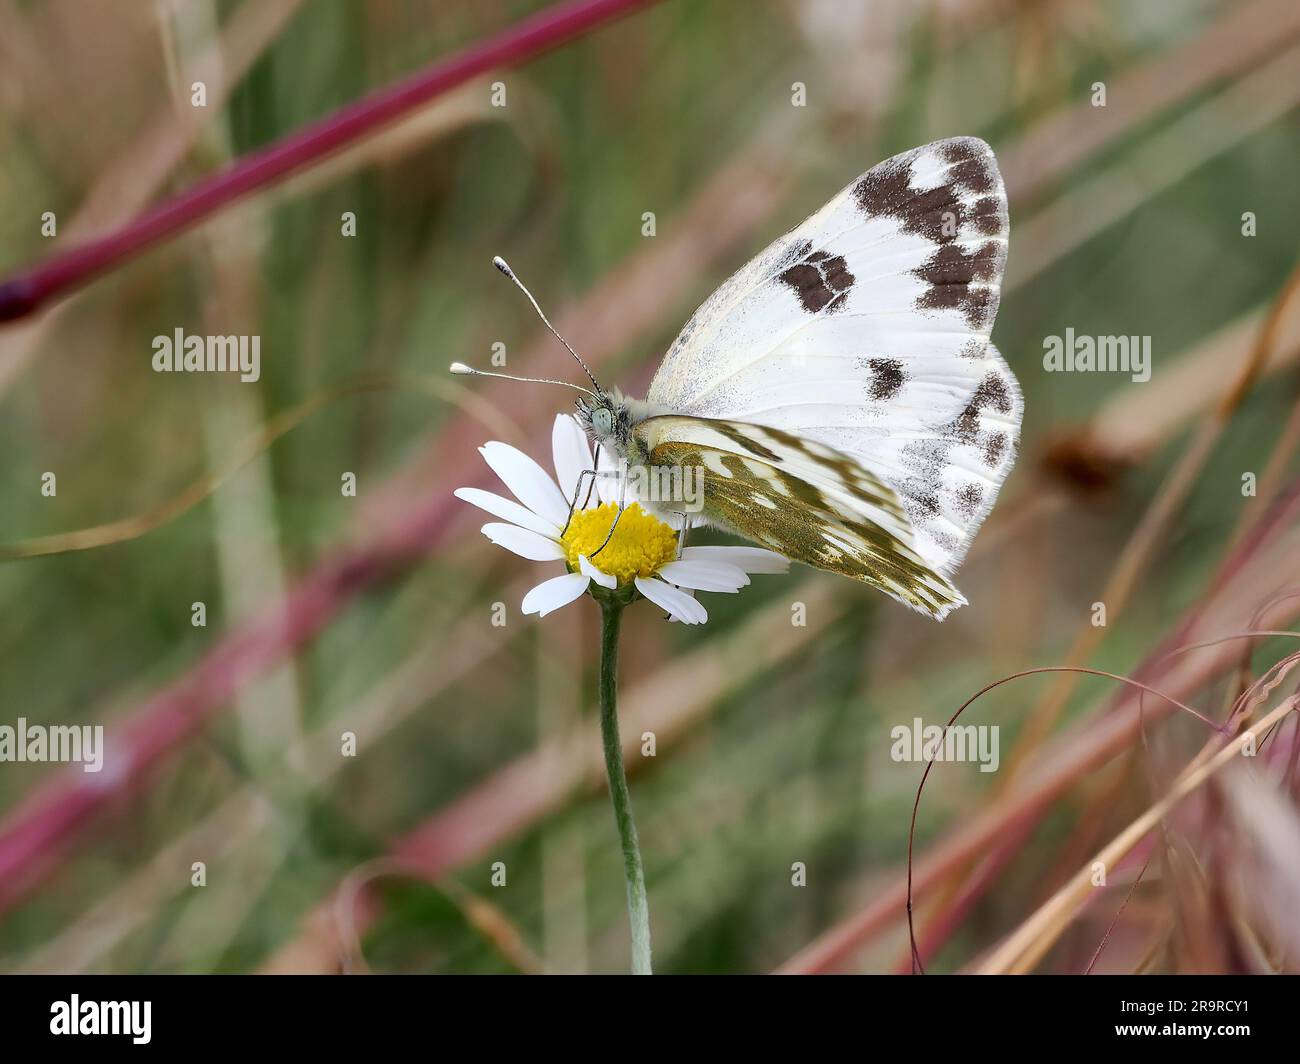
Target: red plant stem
(35, 835)
(831, 949)
(26, 292)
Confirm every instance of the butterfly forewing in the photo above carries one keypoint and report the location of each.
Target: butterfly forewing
(866, 330)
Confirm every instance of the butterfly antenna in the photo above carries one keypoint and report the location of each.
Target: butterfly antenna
(470, 371)
(504, 267)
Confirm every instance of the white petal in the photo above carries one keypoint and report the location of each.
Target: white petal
(523, 542)
(672, 518)
(685, 591)
(508, 510)
(750, 559)
(608, 580)
(527, 480)
(677, 603)
(571, 455)
(703, 576)
(551, 594)
(609, 487)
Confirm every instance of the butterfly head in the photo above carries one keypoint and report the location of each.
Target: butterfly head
(606, 420)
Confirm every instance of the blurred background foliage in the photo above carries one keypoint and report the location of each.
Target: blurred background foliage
(1126, 220)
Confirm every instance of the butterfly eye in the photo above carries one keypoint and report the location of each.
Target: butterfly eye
(602, 421)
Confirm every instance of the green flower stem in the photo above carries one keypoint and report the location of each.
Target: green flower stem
(638, 909)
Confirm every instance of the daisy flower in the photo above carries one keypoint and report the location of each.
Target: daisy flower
(641, 552)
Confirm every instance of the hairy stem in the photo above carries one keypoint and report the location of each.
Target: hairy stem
(638, 909)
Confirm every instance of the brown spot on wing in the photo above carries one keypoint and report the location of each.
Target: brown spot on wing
(975, 304)
(971, 165)
(938, 213)
(969, 499)
(819, 279)
(991, 392)
(957, 266)
(887, 377)
(963, 280)
(988, 216)
(886, 191)
(995, 448)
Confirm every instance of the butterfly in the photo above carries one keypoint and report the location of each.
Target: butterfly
(839, 397)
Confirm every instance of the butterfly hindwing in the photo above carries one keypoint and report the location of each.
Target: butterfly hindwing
(803, 500)
(866, 330)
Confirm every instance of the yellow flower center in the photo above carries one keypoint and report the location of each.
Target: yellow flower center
(640, 543)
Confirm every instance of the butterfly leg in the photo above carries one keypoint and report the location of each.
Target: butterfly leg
(681, 536)
(621, 508)
(622, 505)
(595, 465)
(573, 503)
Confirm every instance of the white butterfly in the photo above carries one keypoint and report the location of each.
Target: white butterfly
(839, 394)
